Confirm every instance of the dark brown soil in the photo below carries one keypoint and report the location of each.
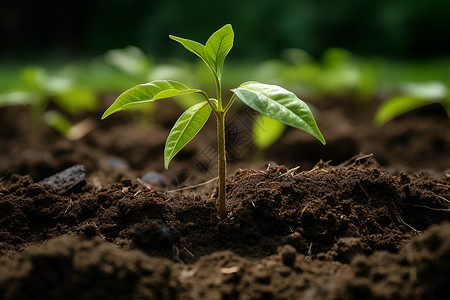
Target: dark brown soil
(343, 225)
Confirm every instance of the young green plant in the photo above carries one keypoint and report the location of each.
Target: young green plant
(38, 88)
(270, 100)
(413, 96)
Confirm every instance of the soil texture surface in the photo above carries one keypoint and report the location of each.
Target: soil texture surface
(97, 217)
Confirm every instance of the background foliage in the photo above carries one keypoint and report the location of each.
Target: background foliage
(85, 28)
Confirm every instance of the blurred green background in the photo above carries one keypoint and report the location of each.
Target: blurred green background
(54, 29)
(71, 52)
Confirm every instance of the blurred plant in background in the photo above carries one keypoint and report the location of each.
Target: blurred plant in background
(413, 96)
(337, 74)
(37, 88)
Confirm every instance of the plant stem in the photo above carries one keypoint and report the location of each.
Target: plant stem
(221, 162)
(218, 90)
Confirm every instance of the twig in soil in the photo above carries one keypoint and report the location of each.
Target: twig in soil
(309, 250)
(7, 172)
(188, 252)
(268, 167)
(176, 254)
(431, 208)
(366, 157)
(312, 170)
(98, 230)
(404, 223)
(137, 193)
(193, 186)
(442, 198)
(68, 206)
(291, 171)
(230, 270)
(144, 184)
(441, 184)
(303, 210)
(364, 191)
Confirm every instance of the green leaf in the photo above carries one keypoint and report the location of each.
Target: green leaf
(185, 128)
(76, 100)
(148, 92)
(279, 104)
(57, 121)
(397, 106)
(266, 131)
(196, 48)
(218, 46)
(216, 49)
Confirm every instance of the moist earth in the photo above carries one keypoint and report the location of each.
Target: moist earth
(365, 217)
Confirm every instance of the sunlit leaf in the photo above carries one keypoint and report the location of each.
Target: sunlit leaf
(185, 129)
(279, 104)
(215, 50)
(397, 106)
(196, 48)
(266, 131)
(148, 92)
(218, 46)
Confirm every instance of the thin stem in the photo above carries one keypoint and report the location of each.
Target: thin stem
(222, 163)
(227, 107)
(207, 99)
(219, 91)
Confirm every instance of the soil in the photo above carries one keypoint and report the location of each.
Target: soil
(364, 217)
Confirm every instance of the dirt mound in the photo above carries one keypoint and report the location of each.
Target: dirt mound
(342, 228)
(420, 271)
(288, 233)
(72, 268)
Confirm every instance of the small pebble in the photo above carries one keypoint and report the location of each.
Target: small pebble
(71, 180)
(117, 163)
(154, 177)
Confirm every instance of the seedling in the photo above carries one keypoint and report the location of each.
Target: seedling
(270, 100)
(134, 63)
(38, 88)
(413, 96)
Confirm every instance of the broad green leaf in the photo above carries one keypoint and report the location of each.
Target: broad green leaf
(148, 92)
(266, 131)
(185, 128)
(196, 48)
(397, 106)
(279, 104)
(218, 46)
(215, 50)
